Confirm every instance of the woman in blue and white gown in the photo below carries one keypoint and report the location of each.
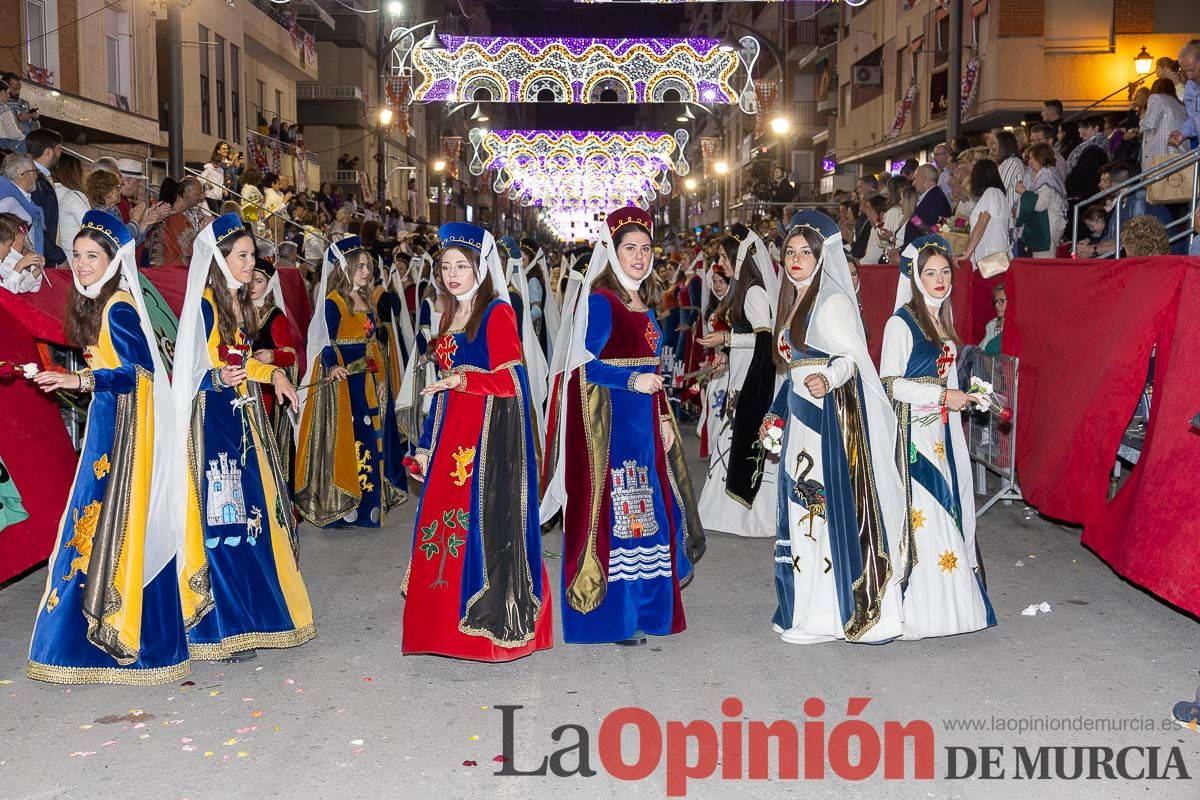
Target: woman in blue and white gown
(840, 499)
(944, 593)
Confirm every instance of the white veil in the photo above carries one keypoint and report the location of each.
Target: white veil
(570, 353)
(762, 260)
(535, 360)
(551, 318)
(192, 363)
(163, 537)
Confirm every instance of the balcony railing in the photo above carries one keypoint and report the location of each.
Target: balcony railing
(317, 91)
(268, 143)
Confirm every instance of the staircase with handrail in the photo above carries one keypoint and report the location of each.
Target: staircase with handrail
(1139, 182)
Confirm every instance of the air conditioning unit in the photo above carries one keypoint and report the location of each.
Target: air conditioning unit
(868, 76)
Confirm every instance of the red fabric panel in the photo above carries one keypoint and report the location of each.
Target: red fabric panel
(1149, 531)
(37, 452)
(1083, 331)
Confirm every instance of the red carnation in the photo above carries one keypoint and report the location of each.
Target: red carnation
(6, 370)
(371, 365)
(1005, 414)
(778, 422)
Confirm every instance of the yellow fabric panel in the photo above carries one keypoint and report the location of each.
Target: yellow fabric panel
(290, 581)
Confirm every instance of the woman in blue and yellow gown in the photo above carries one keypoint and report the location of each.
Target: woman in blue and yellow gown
(841, 506)
(411, 406)
(343, 474)
(241, 583)
(944, 592)
(615, 465)
(476, 587)
(111, 610)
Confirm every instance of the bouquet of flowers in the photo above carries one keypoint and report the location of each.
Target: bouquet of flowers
(988, 400)
(9, 369)
(772, 440)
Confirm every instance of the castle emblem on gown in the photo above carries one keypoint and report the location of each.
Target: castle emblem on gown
(226, 505)
(632, 502)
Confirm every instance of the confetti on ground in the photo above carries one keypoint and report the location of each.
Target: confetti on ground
(470, 764)
(186, 740)
(356, 742)
(289, 681)
(247, 699)
(83, 753)
(188, 748)
(144, 736)
(87, 727)
(188, 683)
(242, 754)
(357, 751)
(208, 753)
(500, 759)
(299, 691)
(134, 715)
(1031, 555)
(1019, 564)
(214, 693)
(483, 708)
(230, 742)
(256, 714)
(258, 669)
(472, 738)
(276, 729)
(368, 680)
(5, 682)
(251, 729)
(139, 725)
(110, 743)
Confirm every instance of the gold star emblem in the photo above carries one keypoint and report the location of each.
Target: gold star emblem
(918, 519)
(948, 561)
(940, 449)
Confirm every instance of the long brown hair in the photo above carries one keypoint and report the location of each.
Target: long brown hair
(920, 310)
(342, 280)
(479, 303)
(227, 320)
(792, 313)
(608, 280)
(733, 307)
(84, 313)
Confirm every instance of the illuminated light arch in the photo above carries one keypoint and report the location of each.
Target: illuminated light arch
(597, 84)
(568, 69)
(488, 79)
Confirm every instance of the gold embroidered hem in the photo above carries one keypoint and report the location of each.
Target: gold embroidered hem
(251, 641)
(122, 676)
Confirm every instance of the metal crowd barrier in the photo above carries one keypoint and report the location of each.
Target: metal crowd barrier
(992, 442)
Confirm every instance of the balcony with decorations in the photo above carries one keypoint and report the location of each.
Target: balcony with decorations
(298, 167)
(274, 36)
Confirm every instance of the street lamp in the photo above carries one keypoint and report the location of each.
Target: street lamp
(780, 125)
(1143, 62)
(385, 116)
(439, 165)
(395, 8)
(690, 184)
(721, 167)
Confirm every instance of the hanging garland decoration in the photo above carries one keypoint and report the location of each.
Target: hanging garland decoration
(300, 169)
(40, 75)
(576, 70)
(452, 147)
(766, 92)
(399, 93)
(902, 114)
(970, 83)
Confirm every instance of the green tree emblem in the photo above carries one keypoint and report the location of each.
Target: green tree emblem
(434, 543)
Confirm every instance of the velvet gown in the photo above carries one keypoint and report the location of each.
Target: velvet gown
(275, 334)
(631, 532)
(944, 593)
(242, 587)
(391, 343)
(476, 587)
(833, 571)
(343, 476)
(96, 623)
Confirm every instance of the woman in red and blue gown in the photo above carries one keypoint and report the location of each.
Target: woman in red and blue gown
(631, 534)
(476, 586)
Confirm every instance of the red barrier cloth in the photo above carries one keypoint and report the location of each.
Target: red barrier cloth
(971, 299)
(1084, 332)
(38, 453)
